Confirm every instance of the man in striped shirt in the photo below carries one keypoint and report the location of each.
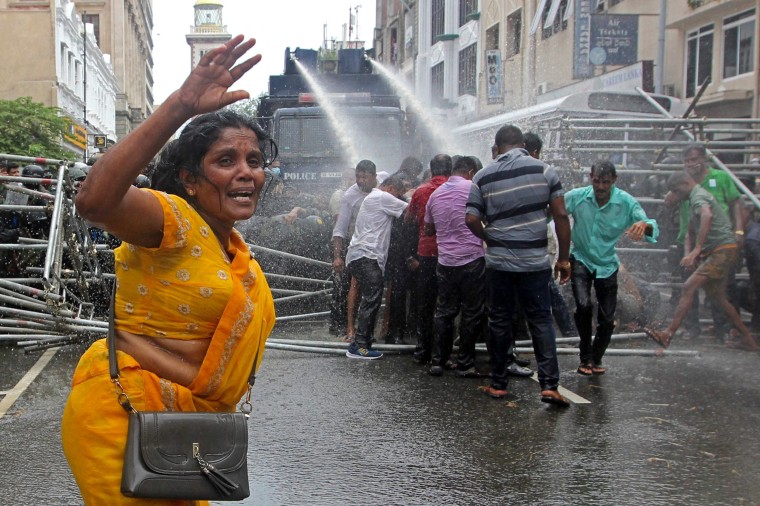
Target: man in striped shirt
(507, 208)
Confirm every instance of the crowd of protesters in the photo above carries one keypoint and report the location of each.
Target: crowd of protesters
(462, 253)
(473, 253)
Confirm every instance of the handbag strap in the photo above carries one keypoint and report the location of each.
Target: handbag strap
(113, 365)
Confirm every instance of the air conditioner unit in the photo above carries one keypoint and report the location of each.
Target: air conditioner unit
(669, 90)
(542, 88)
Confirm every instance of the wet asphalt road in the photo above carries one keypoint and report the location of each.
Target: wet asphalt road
(327, 430)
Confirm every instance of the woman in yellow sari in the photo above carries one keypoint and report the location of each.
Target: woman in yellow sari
(192, 308)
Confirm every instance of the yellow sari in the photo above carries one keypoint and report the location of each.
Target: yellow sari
(94, 426)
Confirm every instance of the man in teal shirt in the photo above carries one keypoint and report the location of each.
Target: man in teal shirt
(602, 213)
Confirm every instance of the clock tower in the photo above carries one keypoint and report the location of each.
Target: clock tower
(208, 32)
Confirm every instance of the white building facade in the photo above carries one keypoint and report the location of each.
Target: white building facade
(86, 82)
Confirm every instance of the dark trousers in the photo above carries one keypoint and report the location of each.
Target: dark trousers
(560, 312)
(339, 306)
(370, 280)
(459, 288)
(427, 292)
(532, 290)
(400, 321)
(606, 297)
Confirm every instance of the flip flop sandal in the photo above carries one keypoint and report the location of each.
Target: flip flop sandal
(585, 370)
(597, 369)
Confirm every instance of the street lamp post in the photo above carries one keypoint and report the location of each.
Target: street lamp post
(84, 83)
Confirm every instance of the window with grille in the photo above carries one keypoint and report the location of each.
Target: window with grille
(468, 63)
(514, 32)
(437, 19)
(558, 21)
(699, 53)
(492, 37)
(467, 7)
(436, 81)
(739, 44)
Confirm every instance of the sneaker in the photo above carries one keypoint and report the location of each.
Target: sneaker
(355, 351)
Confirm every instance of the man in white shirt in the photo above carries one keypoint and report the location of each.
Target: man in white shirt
(366, 258)
(366, 179)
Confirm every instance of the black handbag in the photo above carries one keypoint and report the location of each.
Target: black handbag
(183, 455)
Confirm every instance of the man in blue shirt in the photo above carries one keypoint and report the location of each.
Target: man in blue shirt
(602, 213)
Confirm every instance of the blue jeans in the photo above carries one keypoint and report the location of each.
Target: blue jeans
(532, 290)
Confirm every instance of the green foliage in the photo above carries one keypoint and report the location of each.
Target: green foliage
(248, 107)
(30, 128)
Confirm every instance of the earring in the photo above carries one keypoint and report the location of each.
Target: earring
(191, 192)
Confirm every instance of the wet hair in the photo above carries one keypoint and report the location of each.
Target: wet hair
(367, 166)
(396, 182)
(440, 165)
(603, 168)
(532, 142)
(465, 164)
(678, 178)
(509, 135)
(478, 163)
(411, 165)
(187, 151)
(142, 181)
(695, 146)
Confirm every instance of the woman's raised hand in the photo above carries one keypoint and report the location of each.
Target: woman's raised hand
(205, 89)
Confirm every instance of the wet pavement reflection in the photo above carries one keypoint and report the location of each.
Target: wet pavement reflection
(328, 430)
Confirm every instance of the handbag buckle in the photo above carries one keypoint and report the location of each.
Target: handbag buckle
(246, 407)
(122, 397)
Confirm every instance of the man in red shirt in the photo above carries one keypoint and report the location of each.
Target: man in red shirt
(427, 256)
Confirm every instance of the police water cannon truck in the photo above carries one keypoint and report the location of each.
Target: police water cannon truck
(316, 147)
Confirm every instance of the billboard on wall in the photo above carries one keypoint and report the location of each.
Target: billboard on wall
(493, 76)
(614, 39)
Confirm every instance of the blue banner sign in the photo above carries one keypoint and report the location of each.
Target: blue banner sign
(582, 43)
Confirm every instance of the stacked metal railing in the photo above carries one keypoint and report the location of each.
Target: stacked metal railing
(48, 305)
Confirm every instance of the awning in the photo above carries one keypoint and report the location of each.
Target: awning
(553, 10)
(569, 10)
(537, 17)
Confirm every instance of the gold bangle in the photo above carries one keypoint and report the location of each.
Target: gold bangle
(739, 232)
(564, 263)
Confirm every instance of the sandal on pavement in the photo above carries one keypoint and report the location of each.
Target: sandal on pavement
(598, 369)
(585, 369)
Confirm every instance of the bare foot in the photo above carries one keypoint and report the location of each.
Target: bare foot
(746, 345)
(661, 337)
